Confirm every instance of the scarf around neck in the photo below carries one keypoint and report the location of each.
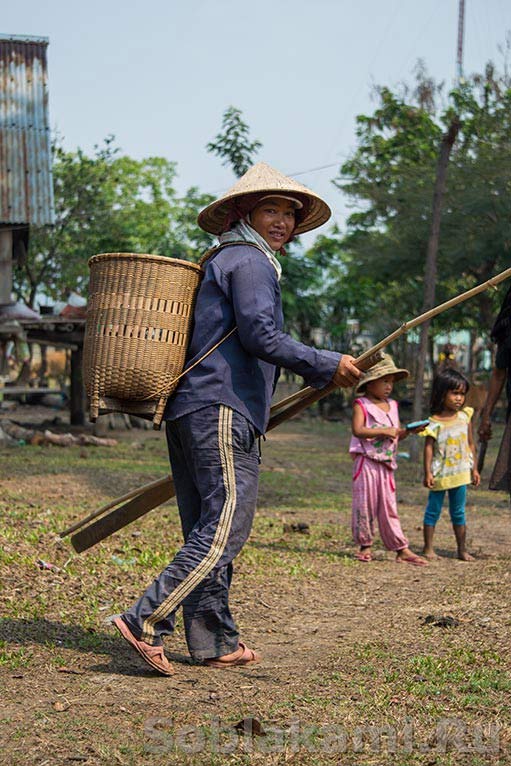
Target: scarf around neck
(244, 232)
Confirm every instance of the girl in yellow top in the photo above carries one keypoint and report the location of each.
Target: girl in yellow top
(449, 458)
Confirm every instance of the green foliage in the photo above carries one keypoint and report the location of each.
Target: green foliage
(232, 144)
(390, 180)
(186, 239)
(109, 203)
(302, 293)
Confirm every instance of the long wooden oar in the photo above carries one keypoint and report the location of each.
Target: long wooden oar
(401, 330)
(111, 504)
(153, 494)
(283, 410)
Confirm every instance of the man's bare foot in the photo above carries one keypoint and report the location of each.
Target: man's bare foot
(430, 554)
(465, 556)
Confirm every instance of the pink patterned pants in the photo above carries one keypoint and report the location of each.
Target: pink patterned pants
(374, 499)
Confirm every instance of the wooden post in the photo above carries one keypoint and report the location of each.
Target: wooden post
(77, 404)
(5, 266)
(43, 373)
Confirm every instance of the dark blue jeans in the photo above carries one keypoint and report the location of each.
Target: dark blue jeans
(215, 465)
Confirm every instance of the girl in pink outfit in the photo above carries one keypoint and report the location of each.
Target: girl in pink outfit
(376, 434)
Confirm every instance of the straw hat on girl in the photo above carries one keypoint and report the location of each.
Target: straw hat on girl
(384, 367)
(261, 181)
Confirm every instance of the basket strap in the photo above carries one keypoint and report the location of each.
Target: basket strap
(210, 351)
(208, 254)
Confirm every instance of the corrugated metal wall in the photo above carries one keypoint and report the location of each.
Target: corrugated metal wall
(26, 191)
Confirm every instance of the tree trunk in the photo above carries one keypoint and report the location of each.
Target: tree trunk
(431, 269)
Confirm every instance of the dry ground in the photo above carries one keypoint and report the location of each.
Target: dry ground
(352, 672)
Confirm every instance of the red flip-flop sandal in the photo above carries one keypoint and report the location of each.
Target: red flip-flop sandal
(153, 655)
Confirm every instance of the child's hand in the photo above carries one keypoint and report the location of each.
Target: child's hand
(393, 433)
(476, 477)
(429, 480)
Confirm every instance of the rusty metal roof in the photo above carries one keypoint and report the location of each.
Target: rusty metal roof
(26, 189)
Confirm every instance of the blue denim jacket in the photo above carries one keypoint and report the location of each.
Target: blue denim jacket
(240, 287)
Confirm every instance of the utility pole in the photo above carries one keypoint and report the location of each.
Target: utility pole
(430, 272)
(461, 30)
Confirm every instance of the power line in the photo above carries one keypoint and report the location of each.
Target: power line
(356, 94)
(420, 34)
(313, 170)
(298, 173)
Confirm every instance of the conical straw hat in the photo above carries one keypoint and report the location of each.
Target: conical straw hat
(261, 178)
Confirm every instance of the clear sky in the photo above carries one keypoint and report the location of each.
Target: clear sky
(159, 74)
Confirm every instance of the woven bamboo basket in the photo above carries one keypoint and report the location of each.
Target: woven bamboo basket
(137, 330)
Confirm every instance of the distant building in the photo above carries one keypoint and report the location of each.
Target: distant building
(26, 188)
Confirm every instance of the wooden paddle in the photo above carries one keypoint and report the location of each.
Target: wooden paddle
(147, 499)
(112, 503)
(151, 495)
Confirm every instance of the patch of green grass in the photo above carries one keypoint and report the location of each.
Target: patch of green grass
(89, 642)
(370, 650)
(7, 558)
(30, 608)
(154, 559)
(482, 680)
(461, 673)
(14, 658)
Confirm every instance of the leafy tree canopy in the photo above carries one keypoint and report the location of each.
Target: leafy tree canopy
(233, 144)
(390, 180)
(109, 203)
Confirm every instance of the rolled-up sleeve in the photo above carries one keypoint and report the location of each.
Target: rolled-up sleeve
(255, 296)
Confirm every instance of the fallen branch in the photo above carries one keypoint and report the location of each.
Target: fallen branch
(31, 436)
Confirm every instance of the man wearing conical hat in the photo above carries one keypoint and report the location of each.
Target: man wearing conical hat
(221, 408)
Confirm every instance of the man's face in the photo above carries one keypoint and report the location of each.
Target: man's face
(274, 220)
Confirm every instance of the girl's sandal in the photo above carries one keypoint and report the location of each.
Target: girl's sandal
(365, 556)
(244, 656)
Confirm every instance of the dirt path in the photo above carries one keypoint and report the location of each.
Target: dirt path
(344, 643)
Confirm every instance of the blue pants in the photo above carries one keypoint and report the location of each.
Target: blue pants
(215, 465)
(457, 498)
